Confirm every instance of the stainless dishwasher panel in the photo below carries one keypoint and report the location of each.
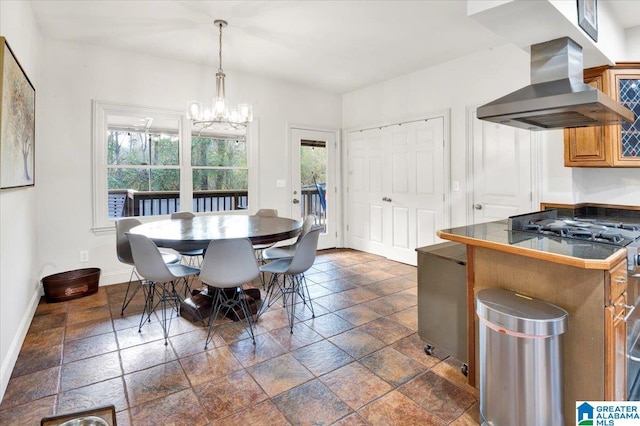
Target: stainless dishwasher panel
(442, 298)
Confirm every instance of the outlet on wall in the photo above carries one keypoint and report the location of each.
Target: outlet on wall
(84, 256)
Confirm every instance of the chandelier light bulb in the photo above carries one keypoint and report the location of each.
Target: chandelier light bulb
(195, 110)
(245, 112)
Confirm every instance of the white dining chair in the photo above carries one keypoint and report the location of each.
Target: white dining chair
(161, 280)
(281, 252)
(293, 282)
(189, 257)
(123, 251)
(228, 264)
(259, 248)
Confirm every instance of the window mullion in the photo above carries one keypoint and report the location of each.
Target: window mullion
(186, 174)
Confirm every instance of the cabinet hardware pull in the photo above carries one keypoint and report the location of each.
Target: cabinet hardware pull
(630, 311)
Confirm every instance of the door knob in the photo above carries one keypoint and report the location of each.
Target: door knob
(296, 201)
(477, 206)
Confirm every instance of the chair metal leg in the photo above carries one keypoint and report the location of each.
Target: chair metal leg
(127, 298)
(149, 289)
(223, 301)
(272, 294)
(163, 308)
(290, 293)
(214, 314)
(247, 312)
(302, 287)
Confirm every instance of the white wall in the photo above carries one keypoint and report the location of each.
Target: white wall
(77, 74)
(468, 81)
(595, 185)
(472, 81)
(18, 232)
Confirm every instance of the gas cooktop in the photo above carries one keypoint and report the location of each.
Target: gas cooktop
(548, 223)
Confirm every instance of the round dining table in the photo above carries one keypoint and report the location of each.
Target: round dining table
(195, 233)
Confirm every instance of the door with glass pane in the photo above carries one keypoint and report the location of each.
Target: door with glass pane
(313, 180)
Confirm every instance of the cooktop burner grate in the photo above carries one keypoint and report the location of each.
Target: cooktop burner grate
(547, 223)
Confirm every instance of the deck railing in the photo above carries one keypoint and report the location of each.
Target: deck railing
(130, 203)
(310, 204)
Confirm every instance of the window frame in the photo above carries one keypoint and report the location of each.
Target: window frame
(102, 109)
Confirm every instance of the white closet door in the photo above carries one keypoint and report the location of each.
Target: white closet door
(366, 188)
(502, 184)
(396, 188)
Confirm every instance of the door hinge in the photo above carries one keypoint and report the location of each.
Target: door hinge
(347, 227)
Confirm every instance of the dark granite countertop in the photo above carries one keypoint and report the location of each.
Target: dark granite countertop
(495, 235)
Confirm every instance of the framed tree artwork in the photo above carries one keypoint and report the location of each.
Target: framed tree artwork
(588, 17)
(17, 122)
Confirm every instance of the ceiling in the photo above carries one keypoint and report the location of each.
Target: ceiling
(337, 46)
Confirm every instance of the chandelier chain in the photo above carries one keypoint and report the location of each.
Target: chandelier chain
(220, 48)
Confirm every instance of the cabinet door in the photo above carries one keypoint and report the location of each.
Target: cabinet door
(617, 282)
(615, 361)
(588, 146)
(626, 138)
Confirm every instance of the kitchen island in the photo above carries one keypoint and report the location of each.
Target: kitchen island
(586, 279)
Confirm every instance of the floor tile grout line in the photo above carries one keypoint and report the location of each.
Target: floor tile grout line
(357, 285)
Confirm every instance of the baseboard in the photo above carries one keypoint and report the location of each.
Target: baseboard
(115, 277)
(14, 350)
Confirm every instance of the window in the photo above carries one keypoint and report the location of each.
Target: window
(146, 163)
(220, 173)
(143, 166)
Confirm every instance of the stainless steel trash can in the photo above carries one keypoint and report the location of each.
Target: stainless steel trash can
(520, 359)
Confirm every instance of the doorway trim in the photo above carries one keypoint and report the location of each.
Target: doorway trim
(339, 210)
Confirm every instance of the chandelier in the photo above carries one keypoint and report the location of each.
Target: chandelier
(217, 114)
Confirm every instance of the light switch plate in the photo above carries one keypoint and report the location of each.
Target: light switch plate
(281, 183)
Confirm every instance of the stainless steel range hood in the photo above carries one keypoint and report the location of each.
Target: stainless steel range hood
(557, 97)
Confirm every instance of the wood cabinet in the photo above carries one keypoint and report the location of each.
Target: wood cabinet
(615, 360)
(594, 345)
(608, 146)
(615, 336)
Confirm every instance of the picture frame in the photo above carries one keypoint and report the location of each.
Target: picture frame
(588, 17)
(96, 416)
(17, 122)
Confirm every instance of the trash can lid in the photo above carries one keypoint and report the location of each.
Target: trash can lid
(519, 313)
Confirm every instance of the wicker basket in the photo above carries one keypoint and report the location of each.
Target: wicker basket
(71, 284)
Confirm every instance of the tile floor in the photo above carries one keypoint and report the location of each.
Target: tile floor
(359, 362)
